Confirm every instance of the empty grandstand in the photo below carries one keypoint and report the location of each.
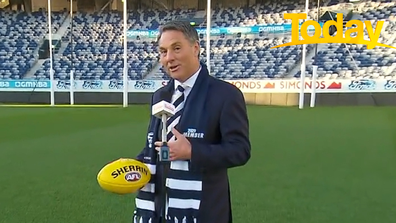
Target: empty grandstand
(96, 50)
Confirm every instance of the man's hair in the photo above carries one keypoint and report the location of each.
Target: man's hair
(183, 26)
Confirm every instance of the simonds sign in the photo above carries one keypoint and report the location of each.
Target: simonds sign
(291, 84)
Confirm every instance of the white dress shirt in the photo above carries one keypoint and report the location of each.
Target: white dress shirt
(187, 85)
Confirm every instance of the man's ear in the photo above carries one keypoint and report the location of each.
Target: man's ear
(197, 49)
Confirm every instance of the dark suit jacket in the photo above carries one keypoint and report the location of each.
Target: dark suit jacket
(217, 109)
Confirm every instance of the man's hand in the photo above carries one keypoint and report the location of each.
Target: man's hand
(179, 149)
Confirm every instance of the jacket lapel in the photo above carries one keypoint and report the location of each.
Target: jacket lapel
(167, 92)
(195, 102)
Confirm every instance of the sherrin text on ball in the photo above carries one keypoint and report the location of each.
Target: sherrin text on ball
(124, 176)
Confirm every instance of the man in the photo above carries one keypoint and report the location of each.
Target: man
(208, 134)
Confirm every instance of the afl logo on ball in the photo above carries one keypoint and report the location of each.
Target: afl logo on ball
(132, 176)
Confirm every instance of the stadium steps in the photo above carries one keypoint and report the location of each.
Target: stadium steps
(65, 26)
(153, 74)
(61, 32)
(63, 29)
(200, 14)
(37, 66)
(309, 56)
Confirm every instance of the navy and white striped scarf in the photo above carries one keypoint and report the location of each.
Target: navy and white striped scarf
(183, 190)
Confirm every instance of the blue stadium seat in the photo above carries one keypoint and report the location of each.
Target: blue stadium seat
(98, 44)
(356, 61)
(20, 36)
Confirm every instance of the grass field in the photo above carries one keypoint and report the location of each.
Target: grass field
(322, 165)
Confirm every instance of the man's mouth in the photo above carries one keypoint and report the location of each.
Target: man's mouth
(173, 68)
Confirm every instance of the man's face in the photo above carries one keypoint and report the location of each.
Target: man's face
(178, 55)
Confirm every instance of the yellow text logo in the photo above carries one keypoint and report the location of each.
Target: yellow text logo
(339, 37)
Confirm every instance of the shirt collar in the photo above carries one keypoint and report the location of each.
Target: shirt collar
(189, 82)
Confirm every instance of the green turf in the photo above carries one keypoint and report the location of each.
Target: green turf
(322, 165)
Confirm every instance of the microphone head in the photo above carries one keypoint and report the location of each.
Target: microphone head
(163, 107)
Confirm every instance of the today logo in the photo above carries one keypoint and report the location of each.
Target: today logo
(339, 37)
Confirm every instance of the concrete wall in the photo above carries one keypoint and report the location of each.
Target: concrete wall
(55, 5)
(274, 99)
(329, 99)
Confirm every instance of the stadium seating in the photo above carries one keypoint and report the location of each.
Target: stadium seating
(98, 45)
(249, 58)
(20, 36)
(356, 61)
(353, 61)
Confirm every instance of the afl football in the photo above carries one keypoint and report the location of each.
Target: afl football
(124, 176)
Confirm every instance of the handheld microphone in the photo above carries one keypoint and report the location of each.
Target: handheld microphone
(163, 110)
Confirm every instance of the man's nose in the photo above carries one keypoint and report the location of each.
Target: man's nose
(170, 56)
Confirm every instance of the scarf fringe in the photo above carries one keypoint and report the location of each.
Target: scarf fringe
(139, 217)
(180, 219)
(170, 219)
